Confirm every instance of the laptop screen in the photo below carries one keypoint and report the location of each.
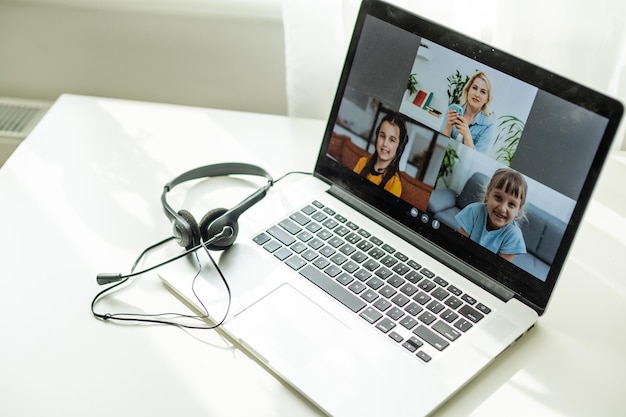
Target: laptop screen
(486, 157)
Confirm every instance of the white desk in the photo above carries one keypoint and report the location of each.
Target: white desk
(81, 196)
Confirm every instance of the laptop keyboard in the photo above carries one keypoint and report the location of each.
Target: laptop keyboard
(404, 300)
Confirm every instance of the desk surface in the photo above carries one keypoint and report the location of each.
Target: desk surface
(81, 196)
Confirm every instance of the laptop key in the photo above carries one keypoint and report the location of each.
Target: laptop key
(385, 325)
(300, 218)
(463, 325)
(414, 264)
(430, 337)
(454, 290)
(395, 281)
(342, 231)
(435, 306)
(353, 238)
(427, 273)
(412, 344)
(401, 256)
(468, 299)
(453, 302)
(281, 235)
(440, 294)
(290, 226)
(310, 255)
(483, 308)
(283, 253)
(332, 288)
(347, 249)
(440, 281)
(471, 313)
(333, 271)
(305, 236)
(309, 210)
(357, 287)
(413, 277)
(382, 304)
(340, 218)
(295, 262)
(364, 245)
(427, 317)
(272, 246)
(446, 331)
(313, 227)
(330, 223)
(298, 247)
(449, 316)
(369, 296)
(261, 238)
(388, 248)
(422, 298)
(400, 269)
(408, 322)
(321, 263)
(371, 315)
(413, 309)
(319, 216)
(395, 313)
(408, 289)
(350, 267)
(426, 285)
(362, 275)
(352, 225)
(358, 257)
(344, 279)
(376, 253)
(396, 337)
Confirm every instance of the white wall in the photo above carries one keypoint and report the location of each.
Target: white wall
(580, 39)
(231, 53)
(213, 53)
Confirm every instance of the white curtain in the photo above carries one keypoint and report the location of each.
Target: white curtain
(579, 39)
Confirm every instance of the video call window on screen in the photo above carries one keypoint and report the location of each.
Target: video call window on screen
(461, 122)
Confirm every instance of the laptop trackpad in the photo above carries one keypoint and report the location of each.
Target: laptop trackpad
(285, 326)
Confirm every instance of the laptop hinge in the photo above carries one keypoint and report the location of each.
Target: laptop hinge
(422, 244)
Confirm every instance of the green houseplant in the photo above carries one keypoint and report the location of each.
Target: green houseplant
(456, 82)
(447, 164)
(411, 84)
(510, 130)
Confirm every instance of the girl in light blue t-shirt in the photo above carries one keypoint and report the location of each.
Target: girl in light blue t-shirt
(492, 222)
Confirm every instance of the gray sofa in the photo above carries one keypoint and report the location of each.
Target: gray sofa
(542, 231)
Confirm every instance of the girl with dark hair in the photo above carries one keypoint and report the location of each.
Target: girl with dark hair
(383, 167)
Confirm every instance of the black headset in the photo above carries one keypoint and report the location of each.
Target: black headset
(216, 231)
(218, 228)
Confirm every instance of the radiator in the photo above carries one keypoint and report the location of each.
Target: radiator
(17, 118)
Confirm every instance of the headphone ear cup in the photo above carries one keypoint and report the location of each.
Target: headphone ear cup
(187, 238)
(209, 228)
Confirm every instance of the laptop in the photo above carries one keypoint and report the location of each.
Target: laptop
(356, 285)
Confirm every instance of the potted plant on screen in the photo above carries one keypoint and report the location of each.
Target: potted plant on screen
(510, 130)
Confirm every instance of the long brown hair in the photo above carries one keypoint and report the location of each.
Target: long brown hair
(394, 119)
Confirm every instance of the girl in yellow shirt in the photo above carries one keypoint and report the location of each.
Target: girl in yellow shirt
(383, 167)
